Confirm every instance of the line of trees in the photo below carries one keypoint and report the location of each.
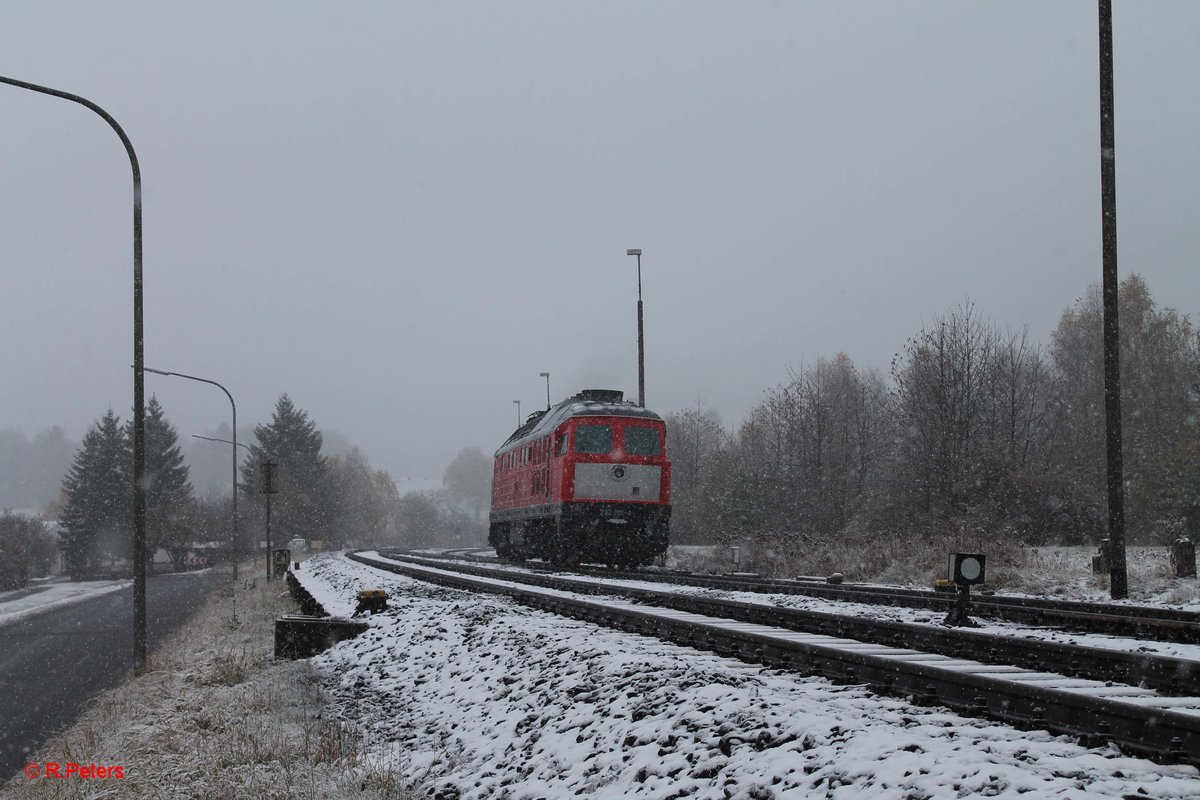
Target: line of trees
(980, 433)
(336, 500)
(342, 500)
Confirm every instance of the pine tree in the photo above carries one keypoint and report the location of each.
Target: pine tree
(168, 491)
(292, 441)
(97, 515)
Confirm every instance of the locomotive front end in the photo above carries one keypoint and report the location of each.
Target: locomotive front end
(617, 485)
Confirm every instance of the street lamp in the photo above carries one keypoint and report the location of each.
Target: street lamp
(546, 375)
(234, 547)
(637, 251)
(139, 412)
(518, 402)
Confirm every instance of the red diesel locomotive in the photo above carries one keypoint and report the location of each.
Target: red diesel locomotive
(587, 480)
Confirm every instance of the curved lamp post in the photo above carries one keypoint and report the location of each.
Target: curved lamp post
(233, 549)
(245, 447)
(139, 433)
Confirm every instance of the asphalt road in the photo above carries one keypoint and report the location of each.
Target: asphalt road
(53, 663)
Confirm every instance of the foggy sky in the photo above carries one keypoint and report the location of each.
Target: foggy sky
(401, 213)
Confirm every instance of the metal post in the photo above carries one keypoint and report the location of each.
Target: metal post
(268, 488)
(1118, 577)
(546, 375)
(268, 537)
(139, 413)
(636, 251)
(960, 615)
(518, 402)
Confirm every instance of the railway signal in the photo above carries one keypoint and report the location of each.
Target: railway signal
(965, 570)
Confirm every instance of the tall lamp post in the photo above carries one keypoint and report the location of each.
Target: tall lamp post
(1118, 584)
(139, 432)
(637, 251)
(518, 402)
(234, 545)
(546, 375)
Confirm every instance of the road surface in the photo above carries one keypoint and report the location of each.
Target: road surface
(53, 663)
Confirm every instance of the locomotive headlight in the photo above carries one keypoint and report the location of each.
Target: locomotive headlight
(966, 569)
(618, 472)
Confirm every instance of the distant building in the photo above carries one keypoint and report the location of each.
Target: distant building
(411, 485)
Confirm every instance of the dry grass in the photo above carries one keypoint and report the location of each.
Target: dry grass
(214, 717)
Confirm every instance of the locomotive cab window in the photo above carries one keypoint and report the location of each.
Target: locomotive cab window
(642, 441)
(594, 439)
(562, 444)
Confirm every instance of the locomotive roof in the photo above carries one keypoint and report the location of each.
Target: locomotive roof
(588, 403)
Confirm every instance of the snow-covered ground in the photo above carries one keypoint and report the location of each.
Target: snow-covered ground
(477, 696)
(23, 603)
(1066, 572)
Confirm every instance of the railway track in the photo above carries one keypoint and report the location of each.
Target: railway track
(1174, 676)
(1146, 704)
(1116, 619)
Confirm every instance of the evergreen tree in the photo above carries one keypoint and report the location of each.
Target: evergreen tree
(168, 491)
(292, 441)
(98, 511)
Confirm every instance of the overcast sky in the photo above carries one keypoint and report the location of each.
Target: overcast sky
(401, 213)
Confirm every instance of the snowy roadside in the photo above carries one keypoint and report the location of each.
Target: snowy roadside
(214, 717)
(25, 603)
(487, 698)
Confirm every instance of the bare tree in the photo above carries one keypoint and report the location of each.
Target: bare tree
(1159, 408)
(468, 482)
(814, 450)
(971, 415)
(695, 437)
(363, 500)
